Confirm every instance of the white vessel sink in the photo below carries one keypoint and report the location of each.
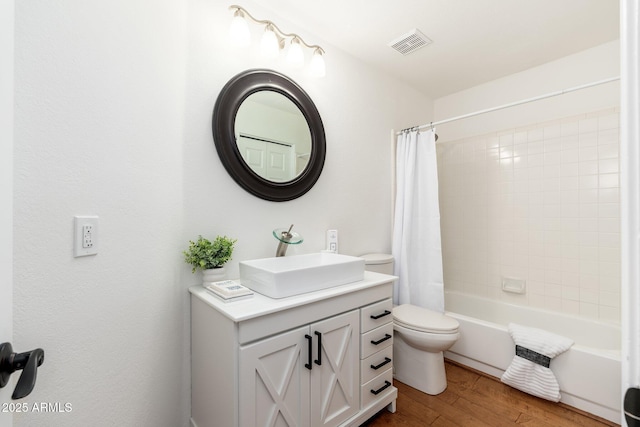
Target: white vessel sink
(293, 275)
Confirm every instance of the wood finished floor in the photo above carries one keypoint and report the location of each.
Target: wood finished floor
(475, 399)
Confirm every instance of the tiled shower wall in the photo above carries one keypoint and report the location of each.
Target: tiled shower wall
(539, 203)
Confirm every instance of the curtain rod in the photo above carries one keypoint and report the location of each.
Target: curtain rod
(513, 104)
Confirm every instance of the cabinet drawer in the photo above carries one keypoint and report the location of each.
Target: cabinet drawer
(375, 364)
(376, 389)
(375, 340)
(375, 315)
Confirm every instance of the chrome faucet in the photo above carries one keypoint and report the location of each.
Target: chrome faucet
(284, 239)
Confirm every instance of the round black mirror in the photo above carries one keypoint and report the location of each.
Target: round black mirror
(269, 135)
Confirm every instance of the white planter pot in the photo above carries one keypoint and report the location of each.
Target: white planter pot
(214, 275)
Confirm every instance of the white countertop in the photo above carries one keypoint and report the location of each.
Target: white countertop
(259, 305)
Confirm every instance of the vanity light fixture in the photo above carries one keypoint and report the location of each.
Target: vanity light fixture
(273, 40)
(317, 67)
(270, 43)
(295, 56)
(239, 30)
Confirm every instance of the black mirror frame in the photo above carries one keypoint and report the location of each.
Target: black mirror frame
(223, 125)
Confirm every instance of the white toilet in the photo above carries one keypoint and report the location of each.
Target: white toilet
(421, 336)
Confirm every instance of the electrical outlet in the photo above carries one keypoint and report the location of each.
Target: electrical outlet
(85, 235)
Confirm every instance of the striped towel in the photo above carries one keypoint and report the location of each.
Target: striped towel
(529, 371)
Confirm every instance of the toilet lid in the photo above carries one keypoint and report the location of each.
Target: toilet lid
(423, 319)
(376, 259)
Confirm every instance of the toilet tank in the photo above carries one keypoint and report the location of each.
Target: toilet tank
(380, 263)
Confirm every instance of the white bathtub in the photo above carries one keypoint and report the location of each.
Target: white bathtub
(588, 373)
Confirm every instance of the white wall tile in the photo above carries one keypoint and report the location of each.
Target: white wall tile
(610, 284)
(571, 293)
(610, 299)
(608, 151)
(608, 180)
(570, 142)
(609, 254)
(553, 303)
(609, 195)
(588, 125)
(520, 137)
(589, 166)
(609, 240)
(609, 225)
(567, 168)
(611, 121)
(569, 128)
(609, 165)
(552, 144)
(541, 203)
(589, 282)
(608, 137)
(588, 198)
(588, 181)
(588, 153)
(535, 134)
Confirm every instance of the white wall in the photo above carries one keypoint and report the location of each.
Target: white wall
(532, 192)
(6, 188)
(591, 65)
(99, 130)
(358, 109)
(113, 118)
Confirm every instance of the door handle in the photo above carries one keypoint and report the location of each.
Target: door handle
(631, 407)
(318, 361)
(28, 362)
(309, 339)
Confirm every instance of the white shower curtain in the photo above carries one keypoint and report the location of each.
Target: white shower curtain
(630, 205)
(416, 233)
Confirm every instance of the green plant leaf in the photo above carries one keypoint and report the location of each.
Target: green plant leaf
(205, 254)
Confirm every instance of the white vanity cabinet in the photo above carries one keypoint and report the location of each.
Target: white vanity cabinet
(293, 361)
(308, 376)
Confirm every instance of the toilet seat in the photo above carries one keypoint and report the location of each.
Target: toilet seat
(424, 320)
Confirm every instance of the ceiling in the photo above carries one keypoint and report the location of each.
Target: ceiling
(474, 41)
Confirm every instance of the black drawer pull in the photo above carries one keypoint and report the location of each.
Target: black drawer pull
(386, 361)
(386, 385)
(309, 366)
(386, 337)
(378, 316)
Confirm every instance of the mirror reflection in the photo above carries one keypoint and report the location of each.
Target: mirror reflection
(272, 136)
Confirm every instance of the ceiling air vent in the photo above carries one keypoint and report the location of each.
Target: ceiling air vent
(410, 42)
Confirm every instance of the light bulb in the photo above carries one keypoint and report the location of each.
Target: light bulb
(269, 45)
(239, 30)
(317, 67)
(295, 57)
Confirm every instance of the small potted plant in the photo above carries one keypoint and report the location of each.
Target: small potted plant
(209, 256)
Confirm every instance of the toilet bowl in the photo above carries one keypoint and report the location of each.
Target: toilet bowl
(420, 338)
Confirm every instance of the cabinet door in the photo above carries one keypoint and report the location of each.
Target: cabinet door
(274, 383)
(335, 378)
